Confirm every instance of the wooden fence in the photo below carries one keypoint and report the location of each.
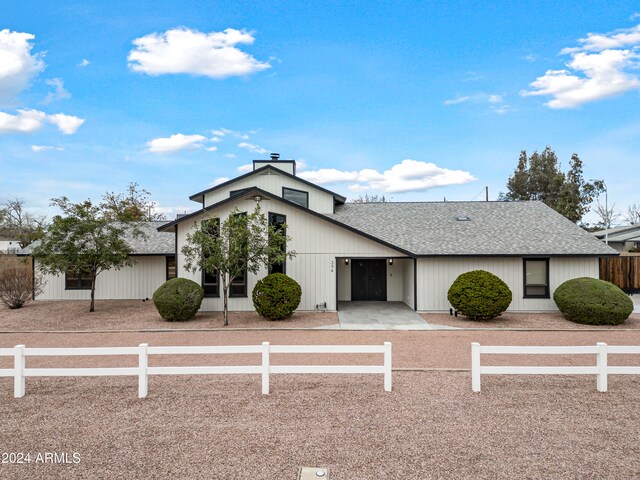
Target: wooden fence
(19, 371)
(623, 271)
(601, 369)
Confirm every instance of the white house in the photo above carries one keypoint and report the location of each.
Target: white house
(408, 252)
(9, 245)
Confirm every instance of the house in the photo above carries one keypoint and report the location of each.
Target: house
(404, 252)
(154, 256)
(347, 252)
(9, 245)
(622, 239)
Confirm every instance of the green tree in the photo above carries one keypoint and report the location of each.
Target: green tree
(242, 243)
(134, 205)
(539, 177)
(85, 239)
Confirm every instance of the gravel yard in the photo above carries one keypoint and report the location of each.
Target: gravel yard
(534, 321)
(65, 315)
(430, 426)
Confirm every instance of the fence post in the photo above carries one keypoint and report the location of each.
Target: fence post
(143, 365)
(265, 368)
(18, 372)
(387, 366)
(475, 366)
(602, 367)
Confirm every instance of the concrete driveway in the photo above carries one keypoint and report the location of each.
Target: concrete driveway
(380, 316)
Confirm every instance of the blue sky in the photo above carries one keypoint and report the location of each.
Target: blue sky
(413, 100)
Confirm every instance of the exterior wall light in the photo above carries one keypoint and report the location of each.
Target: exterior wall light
(346, 261)
(391, 261)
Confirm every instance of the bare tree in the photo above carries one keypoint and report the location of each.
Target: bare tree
(18, 286)
(606, 215)
(366, 198)
(633, 214)
(20, 224)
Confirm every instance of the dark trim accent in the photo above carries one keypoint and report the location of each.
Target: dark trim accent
(33, 278)
(337, 279)
(195, 196)
(415, 284)
(216, 294)
(516, 255)
(275, 161)
(524, 277)
(270, 215)
(176, 250)
(294, 205)
(299, 191)
(163, 254)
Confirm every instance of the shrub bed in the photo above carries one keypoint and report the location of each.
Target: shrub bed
(592, 302)
(479, 295)
(178, 299)
(276, 296)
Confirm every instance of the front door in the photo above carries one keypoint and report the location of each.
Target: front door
(369, 279)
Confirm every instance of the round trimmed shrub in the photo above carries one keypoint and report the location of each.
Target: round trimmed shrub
(479, 295)
(178, 299)
(276, 296)
(592, 302)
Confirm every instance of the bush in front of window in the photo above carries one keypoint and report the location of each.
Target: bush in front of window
(592, 302)
(276, 296)
(479, 295)
(178, 299)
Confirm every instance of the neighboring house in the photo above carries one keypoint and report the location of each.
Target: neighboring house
(622, 239)
(9, 245)
(404, 252)
(155, 263)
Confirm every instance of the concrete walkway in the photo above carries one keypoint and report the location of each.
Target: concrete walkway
(380, 316)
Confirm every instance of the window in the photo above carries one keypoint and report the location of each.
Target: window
(233, 193)
(238, 287)
(211, 282)
(171, 267)
(536, 278)
(77, 280)
(278, 221)
(298, 197)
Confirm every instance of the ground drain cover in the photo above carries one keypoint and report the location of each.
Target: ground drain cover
(313, 473)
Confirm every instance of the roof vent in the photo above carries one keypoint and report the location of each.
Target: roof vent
(463, 218)
(275, 156)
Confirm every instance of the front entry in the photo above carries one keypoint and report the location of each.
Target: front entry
(369, 279)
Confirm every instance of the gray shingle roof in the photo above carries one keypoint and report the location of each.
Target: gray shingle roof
(494, 228)
(155, 243)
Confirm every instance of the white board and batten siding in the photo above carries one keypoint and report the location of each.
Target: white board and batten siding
(316, 242)
(272, 182)
(136, 282)
(435, 276)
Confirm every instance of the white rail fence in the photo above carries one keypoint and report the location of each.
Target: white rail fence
(600, 350)
(19, 372)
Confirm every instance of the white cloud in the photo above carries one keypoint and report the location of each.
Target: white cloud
(599, 68)
(230, 155)
(218, 181)
(175, 143)
(211, 149)
(406, 176)
(67, 124)
(215, 139)
(45, 148)
(252, 148)
(457, 100)
(182, 50)
(634, 16)
(495, 99)
(245, 168)
(223, 132)
(17, 66)
(26, 121)
(84, 63)
(59, 92)
(530, 57)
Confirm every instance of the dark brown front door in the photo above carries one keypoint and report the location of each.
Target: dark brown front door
(369, 279)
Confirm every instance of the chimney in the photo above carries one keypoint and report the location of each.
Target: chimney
(275, 156)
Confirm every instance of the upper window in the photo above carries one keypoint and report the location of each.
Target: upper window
(233, 193)
(77, 280)
(278, 221)
(536, 278)
(298, 197)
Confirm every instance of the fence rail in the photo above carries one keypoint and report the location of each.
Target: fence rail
(19, 371)
(600, 350)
